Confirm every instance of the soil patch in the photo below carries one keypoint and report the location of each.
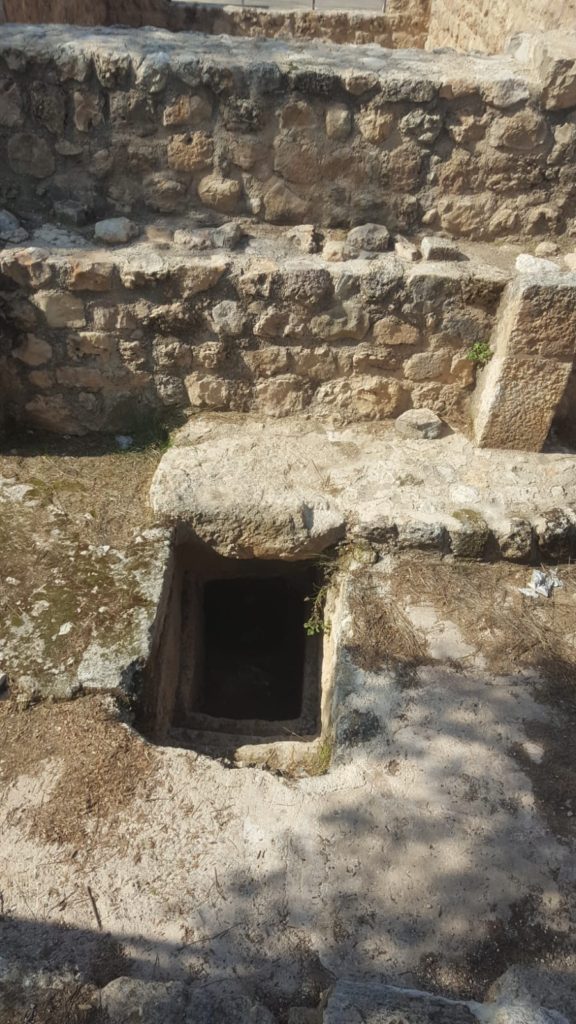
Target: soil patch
(102, 767)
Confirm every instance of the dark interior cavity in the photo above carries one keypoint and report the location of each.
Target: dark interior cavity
(234, 657)
(254, 646)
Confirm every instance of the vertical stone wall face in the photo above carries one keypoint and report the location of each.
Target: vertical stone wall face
(141, 123)
(534, 346)
(97, 339)
(486, 25)
(403, 24)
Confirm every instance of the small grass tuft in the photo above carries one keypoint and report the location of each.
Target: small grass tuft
(320, 762)
(480, 353)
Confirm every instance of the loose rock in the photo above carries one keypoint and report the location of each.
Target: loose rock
(115, 230)
(440, 249)
(419, 423)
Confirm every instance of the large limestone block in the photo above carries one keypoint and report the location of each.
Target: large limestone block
(553, 56)
(533, 343)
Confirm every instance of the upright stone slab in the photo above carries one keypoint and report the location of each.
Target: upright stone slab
(533, 343)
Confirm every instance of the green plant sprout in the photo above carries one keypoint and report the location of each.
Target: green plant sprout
(480, 353)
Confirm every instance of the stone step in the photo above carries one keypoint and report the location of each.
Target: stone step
(290, 488)
(276, 753)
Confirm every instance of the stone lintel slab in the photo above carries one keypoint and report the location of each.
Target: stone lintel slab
(290, 488)
(534, 342)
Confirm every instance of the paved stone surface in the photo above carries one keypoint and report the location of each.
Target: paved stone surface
(256, 488)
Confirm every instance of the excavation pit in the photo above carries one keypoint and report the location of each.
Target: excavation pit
(235, 663)
(254, 647)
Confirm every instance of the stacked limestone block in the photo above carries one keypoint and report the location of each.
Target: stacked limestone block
(96, 335)
(149, 123)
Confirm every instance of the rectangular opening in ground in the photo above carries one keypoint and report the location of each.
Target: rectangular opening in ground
(235, 658)
(254, 647)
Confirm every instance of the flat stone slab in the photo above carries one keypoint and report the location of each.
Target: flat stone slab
(291, 487)
(418, 73)
(381, 1004)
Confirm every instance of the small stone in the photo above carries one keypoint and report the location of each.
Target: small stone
(570, 260)
(10, 103)
(434, 248)
(187, 110)
(406, 250)
(544, 249)
(60, 308)
(515, 539)
(193, 151)
(65, 148)
(338, 122)
(91, 277)
(227, 235)
(419, 423)
(87, 111)
(333, 250)
(366, 238)
(228, 318)
(10, 228)
(470, 537)
(115, 230)
(164, 193)
(220, 193)
(70, 212)
(527, 264)
(34, 351)
(305, 237)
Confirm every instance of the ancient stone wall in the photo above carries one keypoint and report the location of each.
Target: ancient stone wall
(145, 122)
(486, 25)
(405, 22)
(100, 339)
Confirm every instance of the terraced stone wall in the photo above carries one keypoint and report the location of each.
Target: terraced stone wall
(405, 22)
(98, 340)
(146, 123)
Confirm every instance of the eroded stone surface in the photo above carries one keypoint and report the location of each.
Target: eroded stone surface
(534, 344)
(257, 488)
(172, 136)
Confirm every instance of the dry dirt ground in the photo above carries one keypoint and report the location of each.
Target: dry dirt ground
(434, 855)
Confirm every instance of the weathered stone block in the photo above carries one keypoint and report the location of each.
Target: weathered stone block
(164, 193)
(221, 194)
(60, 308)
(389, 331)
(208, 392)
(10, 104)
(48, 104)
(193, 151)
(534, 343)
(428, 365)
(360, 398)
(33, 351)
(87, 111)
(338, 122)
(30, 155)
(282, 396)
(190, 110)
(91, 277)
